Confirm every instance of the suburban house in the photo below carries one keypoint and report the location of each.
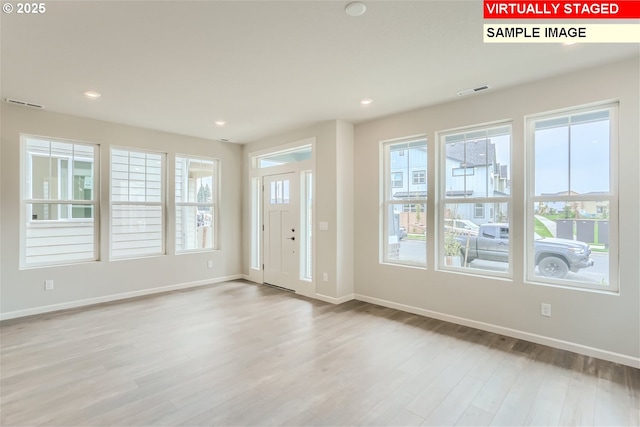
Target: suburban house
(587, 209)
(238, 213)
(476, 159)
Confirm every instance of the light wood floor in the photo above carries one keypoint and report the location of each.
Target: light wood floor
(237, 353)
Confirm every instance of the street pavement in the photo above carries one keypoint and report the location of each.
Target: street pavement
(415, 250)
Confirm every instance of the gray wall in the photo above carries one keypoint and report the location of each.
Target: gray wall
(24, 289)
(609, 322)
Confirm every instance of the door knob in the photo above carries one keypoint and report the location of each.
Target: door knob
(291, 238)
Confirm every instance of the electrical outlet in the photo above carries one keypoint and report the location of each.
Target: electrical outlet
(545, 309)
(48, 285)
(209, 264)
(325, 277)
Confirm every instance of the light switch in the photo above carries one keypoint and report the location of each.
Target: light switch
(324, 226)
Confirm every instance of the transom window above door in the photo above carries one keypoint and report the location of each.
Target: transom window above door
(284, 157)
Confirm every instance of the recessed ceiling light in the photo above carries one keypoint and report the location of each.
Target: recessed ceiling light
(366, 101)
(92, 94)
(355, 9)
(220, 122)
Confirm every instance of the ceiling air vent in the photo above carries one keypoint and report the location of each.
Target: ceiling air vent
(23, 103)
(474, 90)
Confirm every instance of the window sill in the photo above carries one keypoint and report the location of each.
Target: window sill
(601, 291)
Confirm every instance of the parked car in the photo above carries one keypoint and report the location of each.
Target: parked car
(461, 226)
(553, 257)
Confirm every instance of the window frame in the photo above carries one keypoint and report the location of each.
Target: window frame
(421, 174)
(394, 182)
(612, 198)
(26, 168)
(214, 205)
(466, 171)
(445, 197)
(162, 203)
(386, 201)
(475, 210)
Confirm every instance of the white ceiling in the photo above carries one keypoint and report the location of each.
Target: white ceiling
(263, 66)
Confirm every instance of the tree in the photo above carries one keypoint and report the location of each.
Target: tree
(202, 197)
(452, 246)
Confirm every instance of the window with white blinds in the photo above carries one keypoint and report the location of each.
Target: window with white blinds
(137, 203)
(59, 202)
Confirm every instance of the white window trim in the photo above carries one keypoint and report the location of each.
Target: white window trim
(443, 200)
(612, 198)
(215, 203)
(25, 170)
(162, 203)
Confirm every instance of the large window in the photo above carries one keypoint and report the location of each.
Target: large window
(572, 203)
(137, 203)
(59, 202)
(405, 202)
(196, 203)
(476, 198)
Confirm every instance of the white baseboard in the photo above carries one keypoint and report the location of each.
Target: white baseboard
(115, 297)
(334, 300)
(622, 359)
(248, 278)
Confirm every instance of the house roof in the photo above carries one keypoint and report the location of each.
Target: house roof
(504, 171)
(472, 153)
(458, 193)
(410, 195)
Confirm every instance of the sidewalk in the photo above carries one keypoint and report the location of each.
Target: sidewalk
(551, 225)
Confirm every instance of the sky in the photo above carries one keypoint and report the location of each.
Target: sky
(584, 161)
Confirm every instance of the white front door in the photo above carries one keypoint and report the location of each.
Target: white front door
(281, 235)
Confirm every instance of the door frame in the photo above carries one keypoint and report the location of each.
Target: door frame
(256, 203)
(287, 275)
